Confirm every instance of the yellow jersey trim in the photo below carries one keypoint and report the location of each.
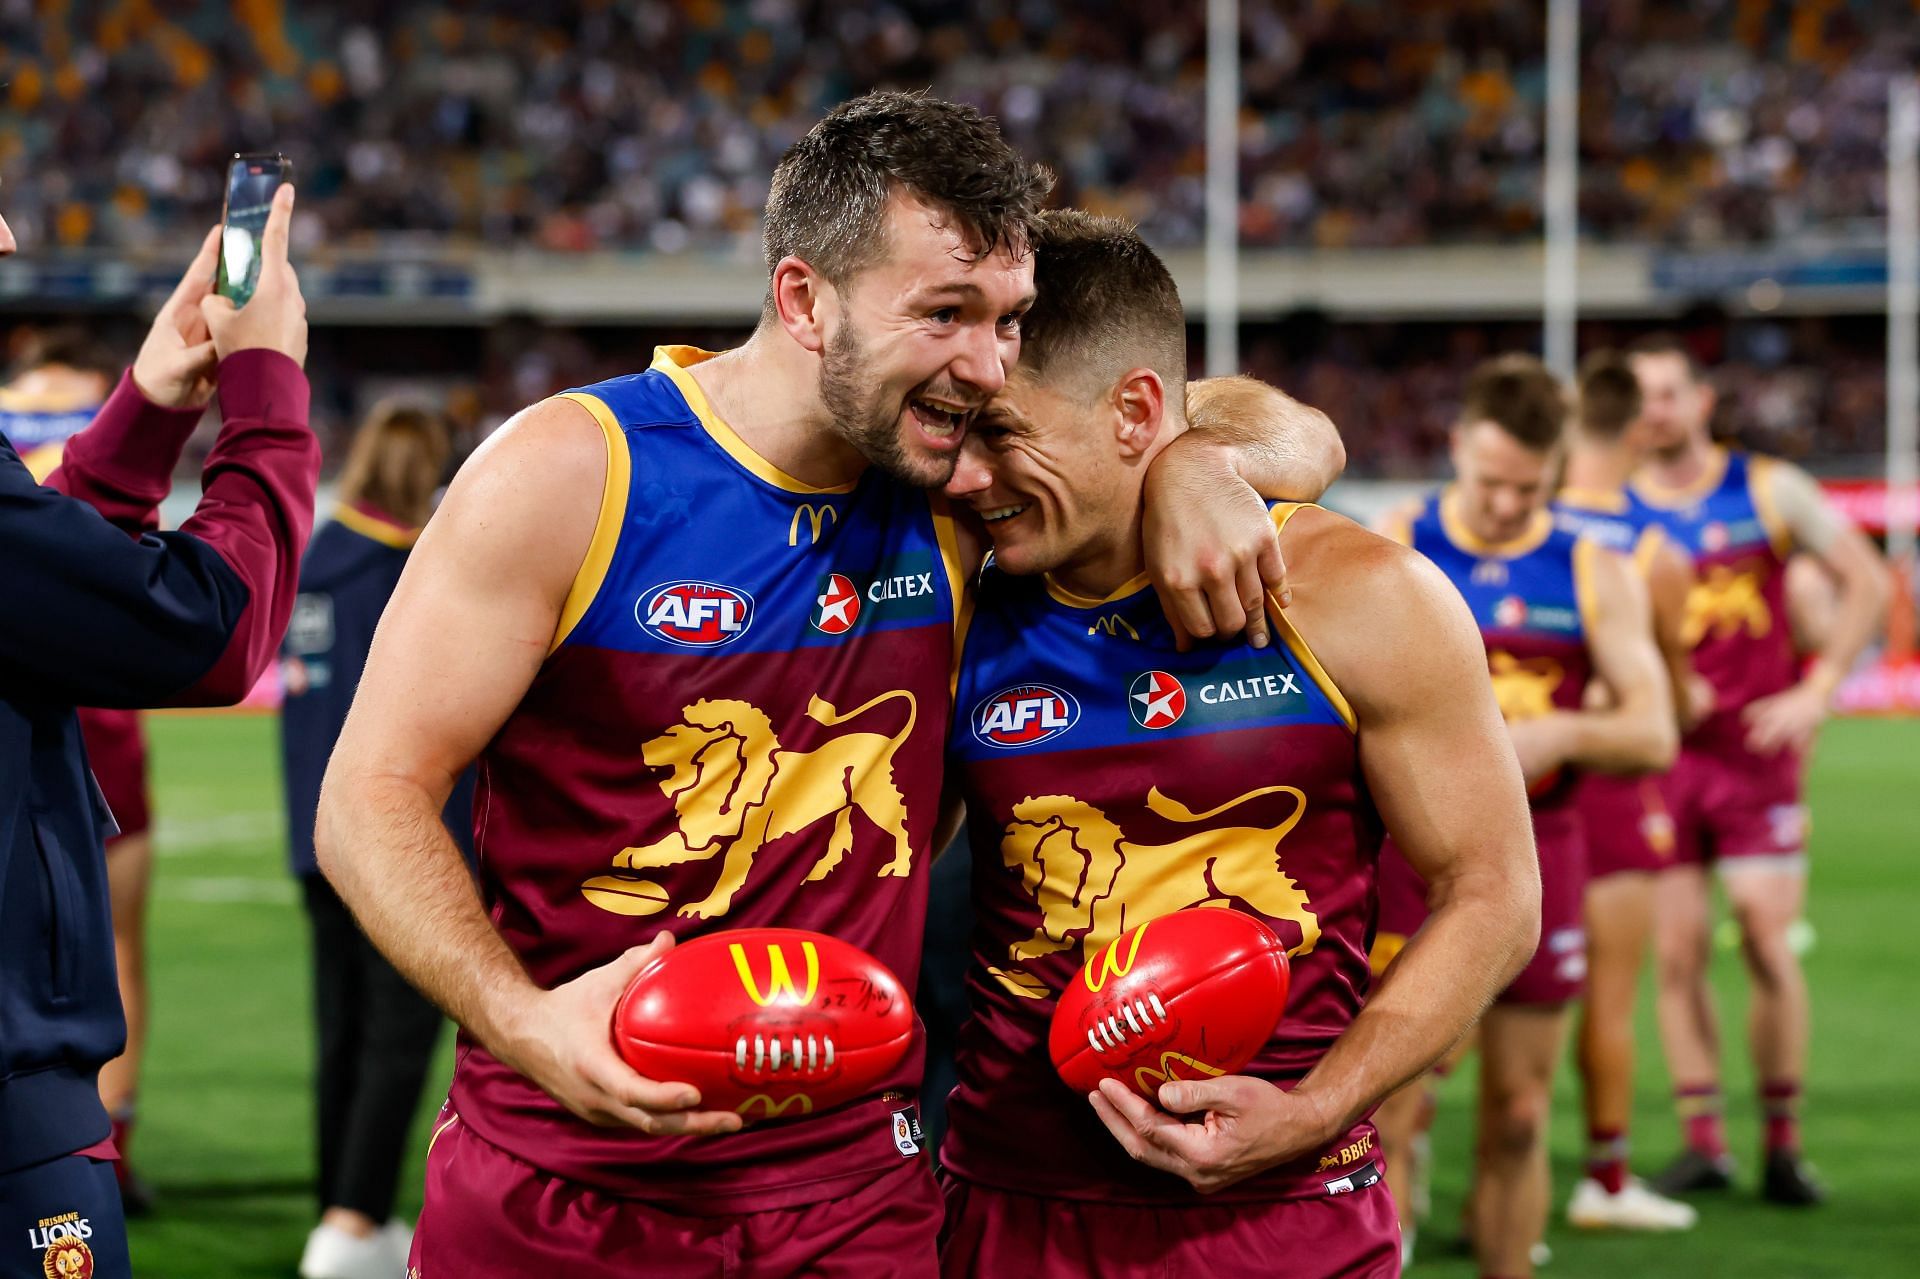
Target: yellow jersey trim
(378, 530)
(43, 461)
(1296, 642)
(674, 361)
(1673, 499)
(1538, 530)
(1760, 474)
(1607, 501)
(1585, 591)
(948, 536)
(606, 526)
(1132, 586)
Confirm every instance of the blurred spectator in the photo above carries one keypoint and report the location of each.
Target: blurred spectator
(654, 125)
(376, 1034)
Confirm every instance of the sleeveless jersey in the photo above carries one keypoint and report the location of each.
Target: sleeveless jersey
(1111, 779)
(1530, 598)
(740, 723)
(1621, 522)
(1736, 613)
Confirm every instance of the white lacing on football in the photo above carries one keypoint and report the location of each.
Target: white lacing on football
(795, 1055)
(1140, 1021)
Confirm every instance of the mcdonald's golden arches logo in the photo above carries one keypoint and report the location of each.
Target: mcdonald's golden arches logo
(771, 1109)
(816, 517)
(1148, 1080)
(1108, 960)
(780, 983)
(1112, 624)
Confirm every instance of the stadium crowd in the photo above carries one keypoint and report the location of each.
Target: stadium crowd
(652, 125)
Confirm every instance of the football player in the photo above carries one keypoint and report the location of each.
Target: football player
(1148, 779)
(696, 623)
(1736, 794)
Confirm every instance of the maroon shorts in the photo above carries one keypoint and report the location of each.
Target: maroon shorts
(488, 1213)
(117, 753)
(1627, 824)
(995, 1234)
(1557, 972)
(1729, 802)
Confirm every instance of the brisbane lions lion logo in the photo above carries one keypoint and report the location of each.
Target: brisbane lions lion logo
(1524, 687)
(735, 789)
(1724, 602)
(1092, 883)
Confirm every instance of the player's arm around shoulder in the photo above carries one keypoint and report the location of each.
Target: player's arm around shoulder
(469, 626)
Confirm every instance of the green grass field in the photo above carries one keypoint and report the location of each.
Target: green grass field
(226, 1121)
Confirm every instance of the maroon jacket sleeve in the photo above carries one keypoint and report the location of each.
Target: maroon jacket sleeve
(256, 510)
(122, 465)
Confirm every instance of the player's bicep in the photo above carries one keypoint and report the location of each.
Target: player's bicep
(477, 607)
(1624, 655)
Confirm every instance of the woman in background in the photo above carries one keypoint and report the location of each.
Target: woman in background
(376, 1035)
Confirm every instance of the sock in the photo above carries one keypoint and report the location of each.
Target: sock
(1699, 1107)
(1780, 1102)
(1607, 1158)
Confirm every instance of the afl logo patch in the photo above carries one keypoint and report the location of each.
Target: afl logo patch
(1024, 715)
(1156, 700)
(695, 614)
(1510, 613)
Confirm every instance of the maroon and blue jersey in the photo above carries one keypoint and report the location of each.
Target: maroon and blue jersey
(1111, 779)
(1620, 521)
(1530, 598)
(740, 723)
(1736, 612)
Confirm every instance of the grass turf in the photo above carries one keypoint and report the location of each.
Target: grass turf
(225, 1133)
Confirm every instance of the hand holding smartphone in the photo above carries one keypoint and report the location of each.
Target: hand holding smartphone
(252, 180)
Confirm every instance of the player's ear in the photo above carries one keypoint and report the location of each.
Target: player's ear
(803, 301)
(1140, 411)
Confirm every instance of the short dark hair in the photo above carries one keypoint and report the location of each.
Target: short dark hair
(1518, 394)
(69, 346)
(1668, 344)
(1609, 394)
(1104, 303)
(827, 204)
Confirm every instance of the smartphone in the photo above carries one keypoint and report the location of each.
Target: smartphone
(251, 181)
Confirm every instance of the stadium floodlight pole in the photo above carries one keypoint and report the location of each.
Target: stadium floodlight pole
(1903, 321)
(1562, 194)
(1223, 187)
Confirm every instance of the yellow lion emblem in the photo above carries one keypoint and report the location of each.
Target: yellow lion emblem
(1524, 688)
(1092, 883)
(736, 789)
(1726, 601)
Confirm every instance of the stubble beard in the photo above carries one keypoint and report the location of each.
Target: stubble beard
(861, 415)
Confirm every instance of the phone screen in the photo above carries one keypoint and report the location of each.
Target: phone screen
(251, 182)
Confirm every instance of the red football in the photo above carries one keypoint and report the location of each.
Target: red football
(766, 1021)
(1190, 995)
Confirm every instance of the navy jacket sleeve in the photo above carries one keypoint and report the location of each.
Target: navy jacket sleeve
(89, 616)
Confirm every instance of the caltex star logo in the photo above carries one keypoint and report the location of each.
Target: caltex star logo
(837, 607)
(1156, 700)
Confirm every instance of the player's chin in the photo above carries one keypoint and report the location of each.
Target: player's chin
(921, 467)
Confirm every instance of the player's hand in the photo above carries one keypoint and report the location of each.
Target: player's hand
(563, 1041)
(1541, 744)
(1250, 1126)
(175, 366)
(1210, 544)
(275, 318)
(1787, 720)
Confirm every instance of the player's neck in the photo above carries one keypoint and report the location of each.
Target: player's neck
(1683, 466)
(767, 391)
(1597, 467)
(1101, 570)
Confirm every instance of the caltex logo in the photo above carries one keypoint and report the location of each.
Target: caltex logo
(695, 614)
(1510, 612)
(837, 607)
(1024, 715)
(1156, 700)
